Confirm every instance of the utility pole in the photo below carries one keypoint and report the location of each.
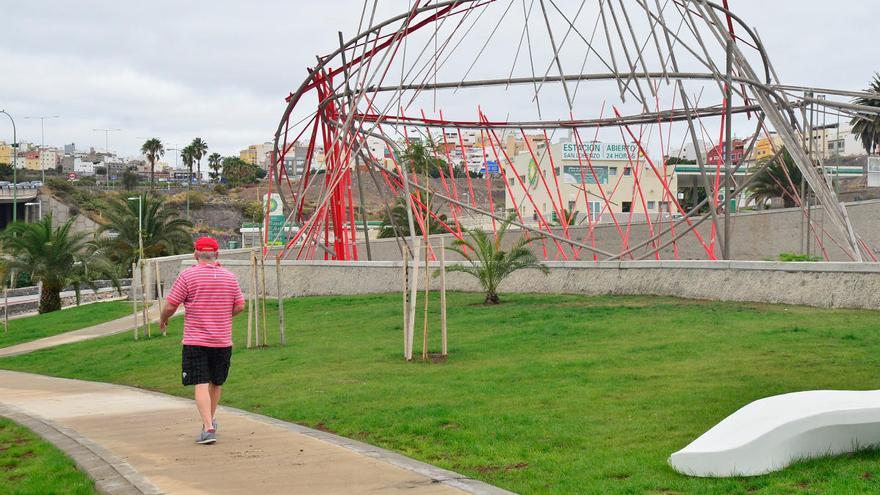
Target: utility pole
(14, 168)
(43, 137)
(107, 150)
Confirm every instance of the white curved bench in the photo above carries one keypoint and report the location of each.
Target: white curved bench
(769, 434)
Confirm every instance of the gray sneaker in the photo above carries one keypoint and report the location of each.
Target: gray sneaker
(206, 437)
(214, 425)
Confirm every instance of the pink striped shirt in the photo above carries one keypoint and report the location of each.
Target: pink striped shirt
(208, 292)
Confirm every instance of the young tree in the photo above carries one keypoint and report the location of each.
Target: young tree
(55, 257)
(130, 179)
(152, 149)
(776, 181)
(199, 149)
(490, 264)
(214, 163)
(865, 127)
(164, 232)
(397, 224)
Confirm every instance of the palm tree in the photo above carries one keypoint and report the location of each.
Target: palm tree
(164, 232)
(774, 181)
(489, 263)
(152, 149)
(188, 156)
(397, 224)
(214, 164)
(199, 149)
(55, 257)
(868, 128)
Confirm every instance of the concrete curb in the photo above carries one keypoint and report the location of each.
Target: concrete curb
(112, 475)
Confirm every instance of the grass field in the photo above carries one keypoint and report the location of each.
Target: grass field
(30, 466)
(541, 394)
(38, 326)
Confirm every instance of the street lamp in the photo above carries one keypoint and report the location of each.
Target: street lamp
(107, 150)
(14, 168)
(39, 205)
(43, 137)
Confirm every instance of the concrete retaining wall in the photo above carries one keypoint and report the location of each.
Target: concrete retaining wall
(837, 285)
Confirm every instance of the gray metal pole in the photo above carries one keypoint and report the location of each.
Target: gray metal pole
(728, 140)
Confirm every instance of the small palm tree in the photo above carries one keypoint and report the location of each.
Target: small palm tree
(489, 263)
(868, 128)
(57, 258)
(199, 149)
(164, 232)
(772, 182)
(214, 164)
(152, 149)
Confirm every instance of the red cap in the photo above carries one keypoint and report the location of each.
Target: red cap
(206, 244)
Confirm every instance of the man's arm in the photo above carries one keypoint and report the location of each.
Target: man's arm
(237, 308)
(167, 312)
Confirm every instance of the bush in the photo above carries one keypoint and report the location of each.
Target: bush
(798, 257)
(253, 210)
(59, 185)
(221, 189)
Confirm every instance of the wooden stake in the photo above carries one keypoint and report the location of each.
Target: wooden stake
(144, 298)
(263, 299)
(159, 296)
(443, 349)
(134, 303)
(250, 304)
(280, 300)
(254, 296)
(427, 287)
(405, 298)
(413, 296)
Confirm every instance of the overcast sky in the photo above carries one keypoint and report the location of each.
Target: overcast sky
(220, 69)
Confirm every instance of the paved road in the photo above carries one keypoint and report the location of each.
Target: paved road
(138, 442)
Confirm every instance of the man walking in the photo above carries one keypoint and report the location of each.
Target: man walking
(211, 296)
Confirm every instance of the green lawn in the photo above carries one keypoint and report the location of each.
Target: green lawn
(542, 394)
(39, 326)
(28, 465)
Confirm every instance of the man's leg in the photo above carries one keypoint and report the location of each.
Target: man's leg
(214, 391)
(203, 403)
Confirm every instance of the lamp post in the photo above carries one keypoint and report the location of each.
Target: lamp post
(39, 205)
(14, 168)
(43, 137)
(107, 150)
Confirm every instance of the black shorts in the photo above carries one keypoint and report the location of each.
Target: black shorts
(205, 364)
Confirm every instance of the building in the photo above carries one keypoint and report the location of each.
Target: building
(258, 154)
(5, 153)
(718, 153)
(49, 159)
(689, 151)
(583, 168)
(31, 159)
(766, 147)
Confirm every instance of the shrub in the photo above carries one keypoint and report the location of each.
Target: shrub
(798, 257)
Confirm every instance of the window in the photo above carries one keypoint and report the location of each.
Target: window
(595, 210)
(511, 181)
(650, 205)
(627, 171)
(612, 171)
(664, 207)
(557, 171)
(571, 206)
(626, 206)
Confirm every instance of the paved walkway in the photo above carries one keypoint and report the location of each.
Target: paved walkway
(112, 327)
(138, 442)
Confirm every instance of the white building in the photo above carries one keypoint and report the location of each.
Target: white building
(49, 158)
